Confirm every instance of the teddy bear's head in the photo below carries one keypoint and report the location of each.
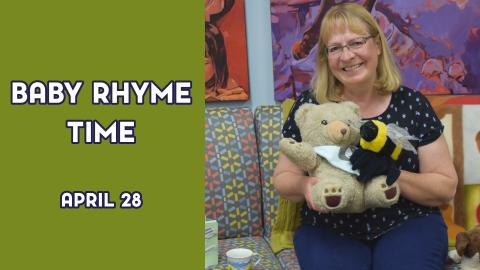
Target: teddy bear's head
(329, 123)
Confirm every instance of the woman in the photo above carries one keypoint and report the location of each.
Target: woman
(354, 64)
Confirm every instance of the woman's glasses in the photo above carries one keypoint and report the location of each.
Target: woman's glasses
(352, 45)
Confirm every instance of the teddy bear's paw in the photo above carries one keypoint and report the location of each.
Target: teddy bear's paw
(331, 196)
(300, 153)
(284, 141)
(390, 192)
(288, 145)
(379, 194)
(288, 141)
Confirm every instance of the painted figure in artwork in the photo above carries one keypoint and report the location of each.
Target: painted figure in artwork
(219, 85)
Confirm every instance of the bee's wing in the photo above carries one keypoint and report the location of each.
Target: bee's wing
(400, 137)
(398, 132)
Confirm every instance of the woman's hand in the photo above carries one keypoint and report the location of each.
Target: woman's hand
(292, 184)
(308, 193)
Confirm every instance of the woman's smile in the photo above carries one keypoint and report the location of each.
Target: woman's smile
(352, 68)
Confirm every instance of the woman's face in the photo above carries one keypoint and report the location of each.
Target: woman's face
(356, 65)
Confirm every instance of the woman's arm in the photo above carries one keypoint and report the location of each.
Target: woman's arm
(436, 183)
(292, 183)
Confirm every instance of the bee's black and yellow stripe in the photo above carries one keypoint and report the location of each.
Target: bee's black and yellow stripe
(382, 143)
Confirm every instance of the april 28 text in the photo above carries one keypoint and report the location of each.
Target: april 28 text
(99, 199)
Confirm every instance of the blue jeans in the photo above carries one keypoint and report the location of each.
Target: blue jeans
(418, 244)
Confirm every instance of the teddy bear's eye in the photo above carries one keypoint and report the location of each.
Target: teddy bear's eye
(324, 122)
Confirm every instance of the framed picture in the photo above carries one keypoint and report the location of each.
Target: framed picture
(226, 67)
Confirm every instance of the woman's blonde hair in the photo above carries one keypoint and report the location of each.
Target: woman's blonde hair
(355, 18)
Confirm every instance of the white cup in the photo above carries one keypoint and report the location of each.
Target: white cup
(241, 259)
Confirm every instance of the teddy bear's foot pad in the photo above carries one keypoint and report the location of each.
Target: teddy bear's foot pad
(333, 196)
(391, 193)
(333, 201)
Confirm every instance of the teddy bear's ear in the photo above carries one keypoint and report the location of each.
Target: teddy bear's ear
(462, 242)
(302, 112)
(352, 106)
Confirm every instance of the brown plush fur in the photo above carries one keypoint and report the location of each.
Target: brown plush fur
(467, 251)
(337, 191)
(468, 243)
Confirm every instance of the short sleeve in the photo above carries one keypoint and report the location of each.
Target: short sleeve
(290, 128)
(430, 127)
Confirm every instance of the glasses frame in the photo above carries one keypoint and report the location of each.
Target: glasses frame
(348, 46)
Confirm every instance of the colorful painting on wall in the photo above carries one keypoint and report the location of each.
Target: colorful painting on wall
(226, 68)
(435, 43)
(472, 206)
(462, 133)
(471, 138)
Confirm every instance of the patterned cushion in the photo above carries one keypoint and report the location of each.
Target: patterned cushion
(268, 127)
(257, 244)
(232, 184)
(288, 259)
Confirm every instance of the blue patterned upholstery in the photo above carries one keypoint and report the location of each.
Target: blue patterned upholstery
(288, 259)
(239, 192)
(232, 184)
(268, 127)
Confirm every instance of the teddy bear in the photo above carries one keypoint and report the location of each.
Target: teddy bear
(467, 249)
(330, 132)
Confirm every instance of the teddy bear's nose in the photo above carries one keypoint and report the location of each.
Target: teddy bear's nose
(343, 131)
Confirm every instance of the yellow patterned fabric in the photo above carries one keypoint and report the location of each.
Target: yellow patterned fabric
(268, 128)
(288, 213)
(287, 221)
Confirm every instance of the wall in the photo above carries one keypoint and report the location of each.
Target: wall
(259, 46)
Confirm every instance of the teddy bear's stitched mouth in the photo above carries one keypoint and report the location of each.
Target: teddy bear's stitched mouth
(333, 201)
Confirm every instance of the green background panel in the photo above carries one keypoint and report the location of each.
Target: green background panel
(101, 40)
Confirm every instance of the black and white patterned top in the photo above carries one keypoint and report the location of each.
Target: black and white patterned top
(408, 109)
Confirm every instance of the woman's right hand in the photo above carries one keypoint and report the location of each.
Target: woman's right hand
(292, 183)
(308, 190)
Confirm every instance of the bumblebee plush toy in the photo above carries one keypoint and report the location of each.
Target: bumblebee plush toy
(380, 146)
(388, 140)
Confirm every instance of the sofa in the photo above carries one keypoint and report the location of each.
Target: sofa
(241, 151)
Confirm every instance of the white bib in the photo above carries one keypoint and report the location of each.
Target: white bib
(337, 156)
